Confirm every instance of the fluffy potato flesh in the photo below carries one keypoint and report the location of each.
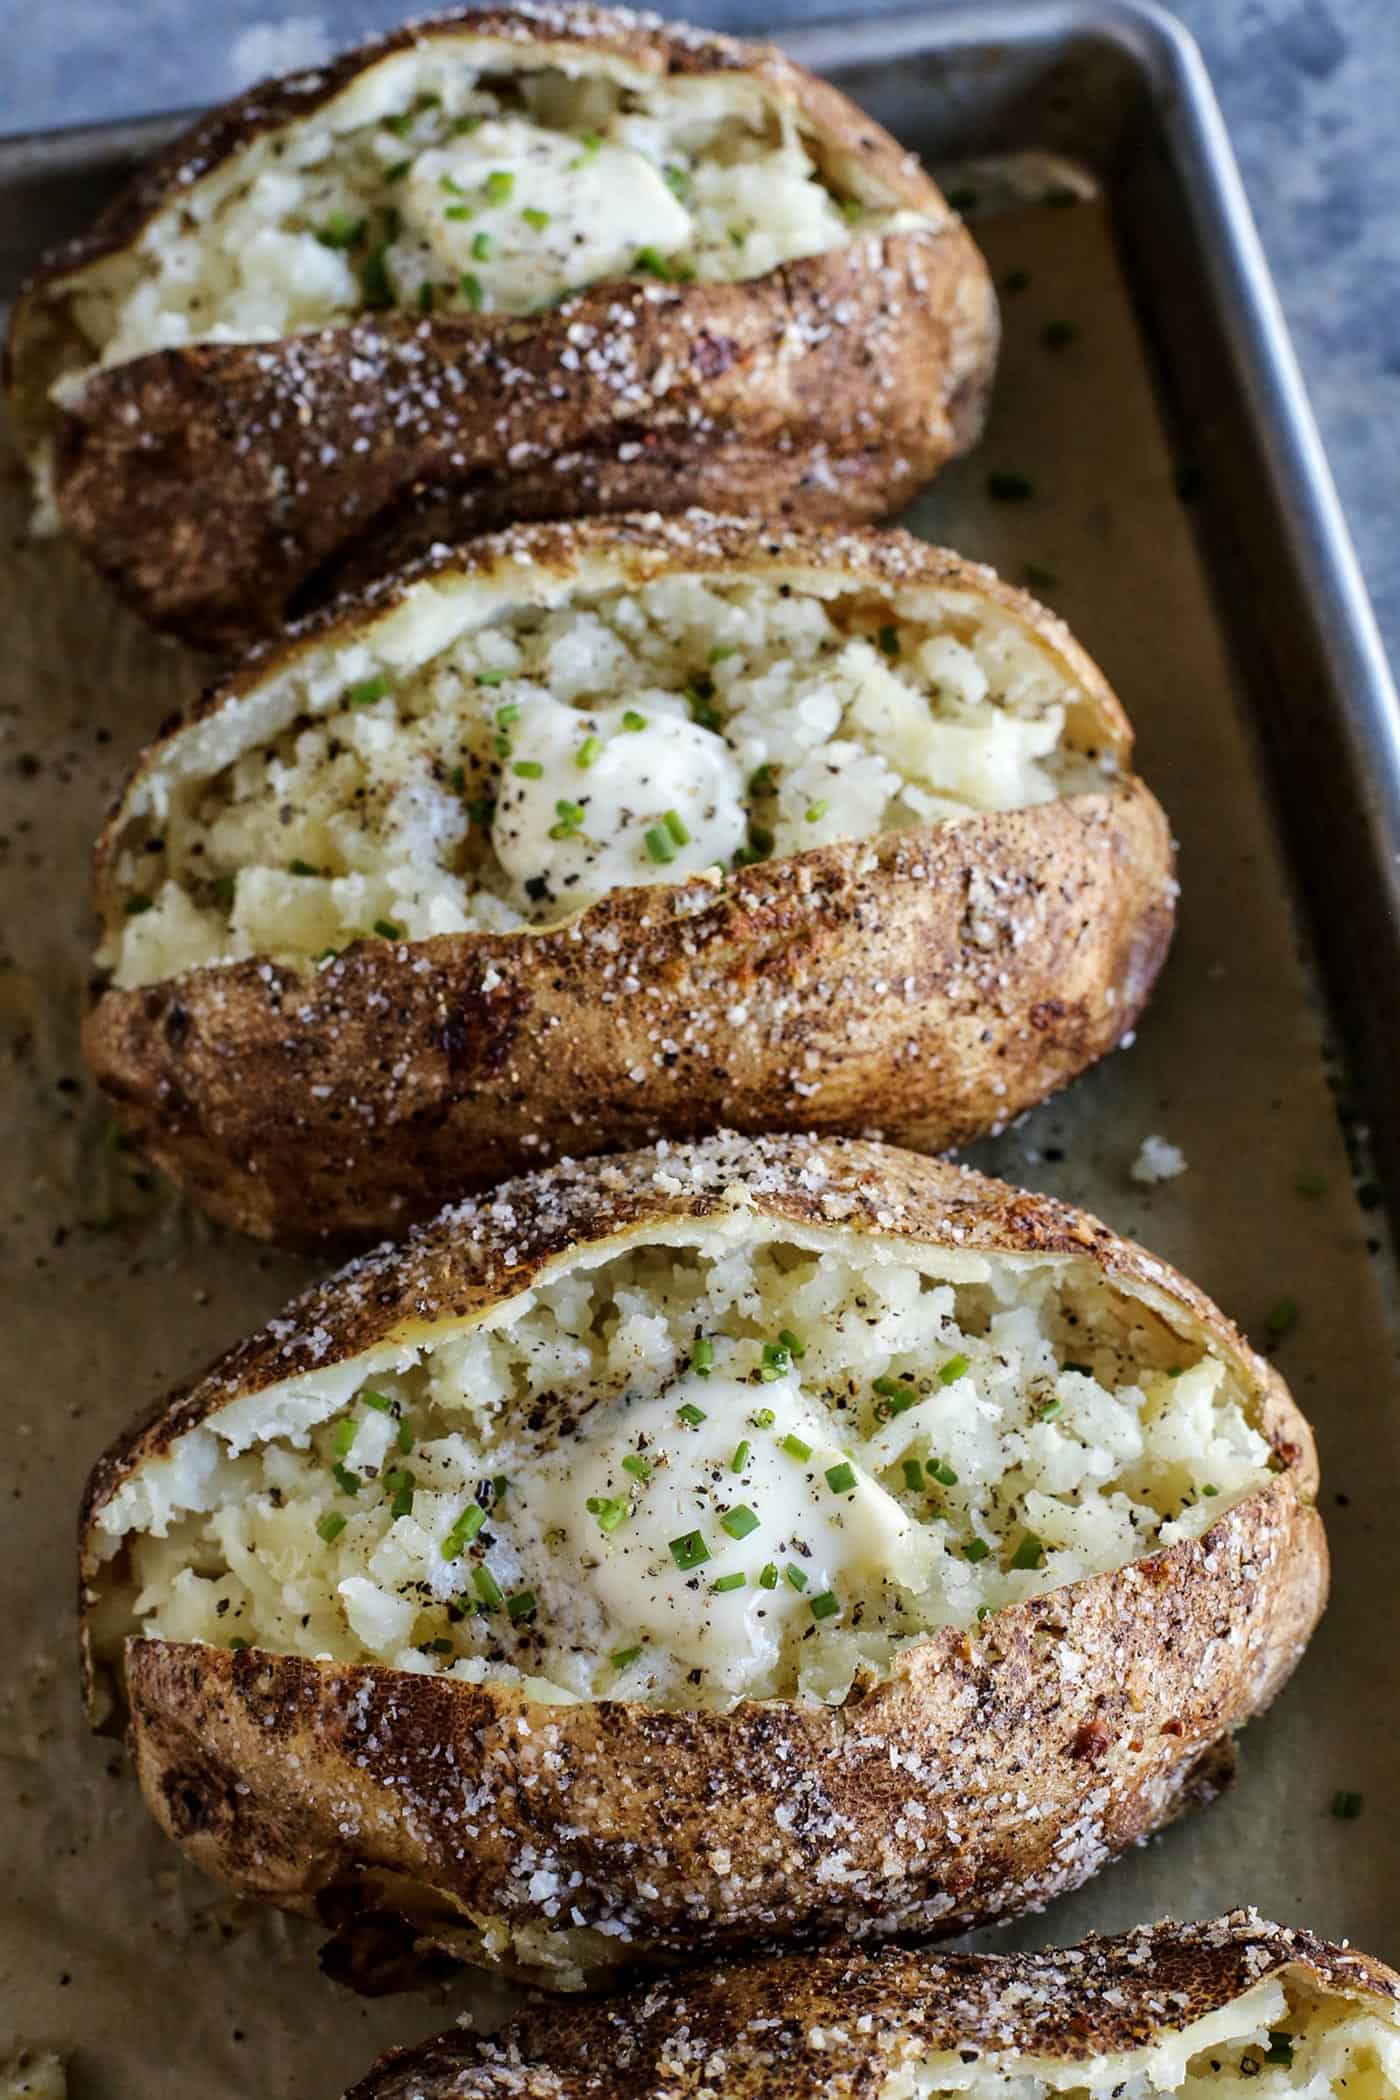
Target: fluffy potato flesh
(466, 771)
(1284, 2037)
(751, 1460)
(455, 176)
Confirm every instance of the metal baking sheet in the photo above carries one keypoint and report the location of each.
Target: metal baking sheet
(1144, 365)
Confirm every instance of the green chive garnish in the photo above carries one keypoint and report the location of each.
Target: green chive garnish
(535, 218)
(331, 1525)
(768, 1578)
(301, 867)
(528, 769)
(689, 1551)
(622, 1658)
(841, 1479)
(702, 1355)
(816, 811)
(378, 1402)
(1280, 2050)
(659, 845)
(487, 1587)
(913, 1476)
(739, 1521)
(344, 1437)
(795, 1346)
(610, 1510)
(795, 1448)
(499, 185)
(826, 1606)
(672, 821)
(795, 1575)
(976, 1549)
(463, 1531)
(633, 721)
(956, 1367)
(400, 1486)
(728, 1582)
(345, 1480)
(368, 691)
(775, 1363)
(692, 1415)
(136, 905)
(888, 640)
(741, 1457)
(471, 291)
(587, 752)
(637, 1466)
(483, 247)
(387, 930)
(942, 1472)
(1030, 1553)
(763, 1418)
(521, 1605)
(404, 1439)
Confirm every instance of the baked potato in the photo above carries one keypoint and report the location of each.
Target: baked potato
(1194, 2012)
(517, 263)
(714, 1545)
(589, 834)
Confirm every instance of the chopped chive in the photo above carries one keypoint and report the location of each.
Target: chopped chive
(692, 1415)
(768, 1576)
(702, 1355)
(1346, 1807)
(404, 1439)
(888, 640)
(237, 1643)
(441, 1646)
(1048, 1412)
(763, 781)
(498, 677)
(729, 1582)
(487, 1587)
(535, 218)
(1009, 487)
(387, 930)
(482, 810)
(623, 1658)
(826, 1605)
(368, 691)
(587, 752)
(633, 721)
(610, 1510)
(570, 813)
(763, 1418)
(1283, 1318)
(775, 1363)
(136, 905)
(913, 1475)
(345, 1433)
(741, 1456)
(956, 1367)
(676, 179)
(841, 1479)
(223, 887)
(345, 1480)
(378, 1402)
(1030, 1553)
(327, 955)
(793, 1343)
(499, 185)
(942, 1472)
(521, 1605)
(398, 171)
(450, 186)
(652, 262)
(377, 285)
(896, 1398)
(401, 1486)
(721, 650)
(689, 1551)
(851, 209)
(659, 845)
(1087, 1370)
(637, 1466)
(399, 124)
(460, 126)
(341, 231)
(796, 1576)
(976, 1549)
(795, 1448)
(591, 144)
(330, 1526)
(528, 769)
(1280, 2050)
(676, 826)
(1209, 1488)
(739, 1521)
(463, 1531)
(500, 1488)
(471, 291)
(301, 867)
(816, 811)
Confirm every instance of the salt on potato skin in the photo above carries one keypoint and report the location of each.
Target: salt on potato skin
(930, 982)
(992, 1768)
(221, 485)
(1164, 2010)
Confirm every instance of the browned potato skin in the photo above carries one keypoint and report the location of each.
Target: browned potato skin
(930, 984)
(219, 486)
(338, 1790)
(1101, 1998)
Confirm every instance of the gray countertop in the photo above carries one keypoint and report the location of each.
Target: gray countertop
(1310, 88)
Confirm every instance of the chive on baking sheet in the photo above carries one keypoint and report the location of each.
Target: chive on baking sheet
(112, 1948)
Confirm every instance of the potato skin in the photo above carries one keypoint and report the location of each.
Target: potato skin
(1101, 1998)
(929, 984)
(370, 1797)
(221, 486)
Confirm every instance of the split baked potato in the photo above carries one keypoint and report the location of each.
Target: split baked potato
(516, 263)
(709, 1546)
(1195, 2012)
(590, 834)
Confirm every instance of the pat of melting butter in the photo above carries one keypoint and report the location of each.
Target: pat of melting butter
(588, 804)
(530, 213)
(654, 1570)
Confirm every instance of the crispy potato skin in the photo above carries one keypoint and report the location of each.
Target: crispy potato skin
(1101, 1998)
(930, 983)
(219, 486)
(317, 1786)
